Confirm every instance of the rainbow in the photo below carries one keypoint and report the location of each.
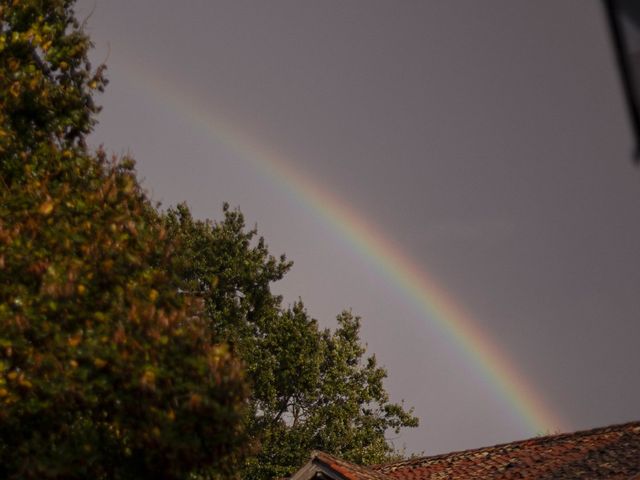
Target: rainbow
(436, 305)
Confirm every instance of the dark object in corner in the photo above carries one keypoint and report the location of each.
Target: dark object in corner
(624, 23)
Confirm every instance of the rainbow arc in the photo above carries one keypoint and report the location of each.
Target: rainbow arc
(437, 306)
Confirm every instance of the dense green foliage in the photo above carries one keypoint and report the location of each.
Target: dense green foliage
(121, 326)
(106, 369)
(312, 388)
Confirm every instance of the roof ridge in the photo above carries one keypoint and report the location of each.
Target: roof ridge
(541, 439)
(347, 468)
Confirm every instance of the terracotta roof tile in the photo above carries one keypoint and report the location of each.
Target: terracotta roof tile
(611, 453)
(602, 453)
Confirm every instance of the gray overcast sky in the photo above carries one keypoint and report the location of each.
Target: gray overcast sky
(487, 140)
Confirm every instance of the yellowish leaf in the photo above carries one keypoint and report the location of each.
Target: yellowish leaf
(15, 89)
(25, 383)
(46, 208)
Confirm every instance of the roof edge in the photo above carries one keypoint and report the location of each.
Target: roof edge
(335, 468)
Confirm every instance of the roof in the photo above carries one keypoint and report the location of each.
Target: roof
(611, 453)
(324, 466)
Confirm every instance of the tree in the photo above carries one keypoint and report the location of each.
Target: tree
(121, 326)
(47, 80)
(311, 388)
(106, 369)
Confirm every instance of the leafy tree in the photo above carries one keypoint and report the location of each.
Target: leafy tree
(106, 369)
(118, 325)
(46, 82)
(312, 388)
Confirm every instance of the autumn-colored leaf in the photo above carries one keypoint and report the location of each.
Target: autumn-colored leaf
(46, 208)
(75, 340)
(99, 363)
(15, 89)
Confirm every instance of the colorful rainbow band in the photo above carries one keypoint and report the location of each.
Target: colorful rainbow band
(438, 308)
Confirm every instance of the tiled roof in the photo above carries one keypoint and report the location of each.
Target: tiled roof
(349, 470)
(611, 453)
(602, 453)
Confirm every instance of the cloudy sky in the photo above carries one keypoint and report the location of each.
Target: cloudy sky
(488, 145)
